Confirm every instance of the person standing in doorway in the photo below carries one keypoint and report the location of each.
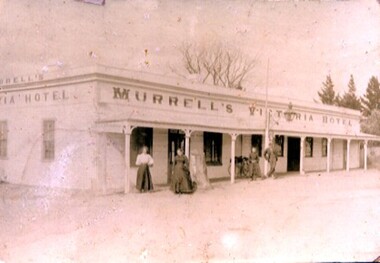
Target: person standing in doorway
(144, 181)
(254, 166)
(181, 180)
(271, 157)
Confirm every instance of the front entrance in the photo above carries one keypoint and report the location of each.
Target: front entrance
(294, 145)
(176, 139)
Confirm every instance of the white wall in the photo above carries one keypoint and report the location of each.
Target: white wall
(111, 163)
(74, 165)
(355, 154)
(317, 162)
(214, 171)
(282, 162)
(222, 171)
(338, 154)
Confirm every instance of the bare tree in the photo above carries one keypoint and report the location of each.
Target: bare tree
(217, 65)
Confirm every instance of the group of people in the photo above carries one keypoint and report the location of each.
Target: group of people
(181, 182)
(270, 155)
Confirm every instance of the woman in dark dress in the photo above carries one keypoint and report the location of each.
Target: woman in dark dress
(144, 181)
(181, 180)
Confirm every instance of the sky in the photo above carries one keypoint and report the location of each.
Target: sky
(295, 43)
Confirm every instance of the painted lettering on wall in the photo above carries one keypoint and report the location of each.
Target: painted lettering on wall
(214, 106)
(336, 120)
(306, 117)
(172, 101)
(122, 94)
(278, 114)
(9, 98)
(21, 79)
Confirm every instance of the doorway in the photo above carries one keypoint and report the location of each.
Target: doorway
(176, 140)
(361, 155)
(294, 145)
(345, 154)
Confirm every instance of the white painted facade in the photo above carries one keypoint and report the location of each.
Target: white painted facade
(96, 110)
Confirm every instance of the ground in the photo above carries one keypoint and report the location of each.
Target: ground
(313, 217)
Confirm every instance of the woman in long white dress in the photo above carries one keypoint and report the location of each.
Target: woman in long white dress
(144, 181)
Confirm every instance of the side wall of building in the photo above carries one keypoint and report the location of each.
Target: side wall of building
(75, 145)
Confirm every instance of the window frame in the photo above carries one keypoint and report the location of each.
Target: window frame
(309, 141)
(217, 146)
(281, 139)
(324, 147)
(48, 141)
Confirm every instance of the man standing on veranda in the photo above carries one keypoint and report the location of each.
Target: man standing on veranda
(254, 166)
(271, 157)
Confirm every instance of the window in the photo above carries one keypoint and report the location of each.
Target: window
(257, 142)
(3, 139)
(309, 147)
(212, 146)
(279, 140)
(324, 147)
(48, 139)
(140, 137)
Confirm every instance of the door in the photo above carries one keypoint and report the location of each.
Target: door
(345, 154)
(176, 140)
(361, 155)
(294, 145)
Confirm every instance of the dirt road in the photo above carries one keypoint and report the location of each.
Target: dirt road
(313, 217)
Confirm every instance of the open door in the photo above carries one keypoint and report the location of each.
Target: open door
(294, 147)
